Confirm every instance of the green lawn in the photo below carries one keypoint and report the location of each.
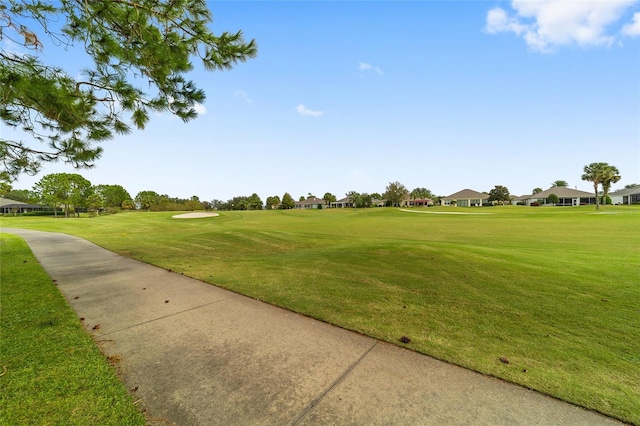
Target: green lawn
(553, 290)
(52, 371)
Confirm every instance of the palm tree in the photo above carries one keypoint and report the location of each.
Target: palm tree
(353, 198)
(610, 174)
(560, 183)
(593, 173)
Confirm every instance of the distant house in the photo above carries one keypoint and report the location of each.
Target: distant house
(465, 198)
(417, 202)
(566, 196)
(626, 196)
(520, 200)
(341, 204)
(310, 203)
(8, 206)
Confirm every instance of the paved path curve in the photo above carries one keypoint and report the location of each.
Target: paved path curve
(201, 355)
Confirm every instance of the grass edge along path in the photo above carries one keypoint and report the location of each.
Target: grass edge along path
(52, 370)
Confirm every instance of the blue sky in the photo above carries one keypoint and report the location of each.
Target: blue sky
(439, 94)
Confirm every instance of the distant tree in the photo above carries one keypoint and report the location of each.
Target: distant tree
(302, 198)
(64, 190)
(553, 199)
(499, 194)
(395, 193)
(273, 202)
(237, 203)
(138, 57)
(112, 195)
(127, 205)
(631, 185)
(365, 200)
(95, 202)
(377, 196)
(536, 190)
(421, 194)
(254, 202)
(329, 198)
(310, 195)
(5, 187)
(22, 195)
(287, 201)
(354, 198)
(147, 199)
(594, 173)
(560, 183)
(610, 174)
(193, 203)
(216, 204)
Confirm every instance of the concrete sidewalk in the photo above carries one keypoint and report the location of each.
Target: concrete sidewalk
(200, 355)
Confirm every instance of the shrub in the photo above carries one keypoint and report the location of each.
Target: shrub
(534, 204)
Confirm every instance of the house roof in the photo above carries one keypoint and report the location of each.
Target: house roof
(312, 200)
(561, 192)
(7, 202)
(343, 200)
(467, 194)
(626, 191)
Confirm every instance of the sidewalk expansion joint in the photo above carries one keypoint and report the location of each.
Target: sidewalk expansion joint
(167, 316)
(333, 385)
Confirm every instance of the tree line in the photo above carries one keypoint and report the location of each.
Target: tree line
(72, 193)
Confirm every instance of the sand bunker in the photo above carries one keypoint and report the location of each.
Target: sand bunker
(195, 215)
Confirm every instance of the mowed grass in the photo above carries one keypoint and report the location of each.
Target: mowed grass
(553, 291)
(52, 371)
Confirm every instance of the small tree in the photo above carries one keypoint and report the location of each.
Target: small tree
(273, 202)
(553, 199)
(421, 193)
(354, 198)
(395, 193)
(594, 173)
(5, 187)
(329, 198)
(287, 201)
(64, 190)
(95, 202)
(254, 202)
(147, 199)
(536, 190)
(113, 195)
(499, 194)
(610, 174)
(560, 183)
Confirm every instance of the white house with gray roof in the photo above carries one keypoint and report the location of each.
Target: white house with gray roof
(626, 195)
(465, 198)
(566, 196)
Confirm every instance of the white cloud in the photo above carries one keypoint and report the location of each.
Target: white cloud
(244, 96)
(366, 68)
(633, 29)
(200, 109)
(303, 110)
(546, 24)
